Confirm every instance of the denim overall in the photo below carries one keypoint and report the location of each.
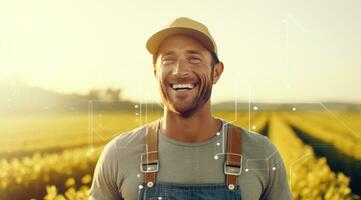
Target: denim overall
(177, 191)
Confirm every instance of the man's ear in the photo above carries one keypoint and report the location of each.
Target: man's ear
(217, 71)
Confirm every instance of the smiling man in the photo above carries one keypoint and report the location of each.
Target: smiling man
(188, 153)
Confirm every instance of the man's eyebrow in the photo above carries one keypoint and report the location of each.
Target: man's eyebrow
(193, 52)
(168, 53)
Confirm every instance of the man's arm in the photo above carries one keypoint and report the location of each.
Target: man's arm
(104, 185)
(277, 185)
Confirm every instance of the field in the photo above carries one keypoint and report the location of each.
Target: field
(53, 156)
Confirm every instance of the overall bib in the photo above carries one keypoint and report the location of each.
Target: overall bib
(153, 190)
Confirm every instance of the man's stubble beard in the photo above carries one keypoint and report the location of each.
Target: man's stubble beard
(203, 95)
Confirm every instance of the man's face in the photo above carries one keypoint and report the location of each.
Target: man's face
(184, 72)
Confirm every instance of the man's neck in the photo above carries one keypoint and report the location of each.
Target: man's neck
(200, 126)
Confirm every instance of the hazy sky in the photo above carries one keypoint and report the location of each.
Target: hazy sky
(272, 50)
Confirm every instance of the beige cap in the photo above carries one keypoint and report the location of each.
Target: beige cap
(186, 26)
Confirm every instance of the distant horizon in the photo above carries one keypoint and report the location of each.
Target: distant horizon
(22, 83)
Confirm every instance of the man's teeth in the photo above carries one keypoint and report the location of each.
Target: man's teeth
(183, 86)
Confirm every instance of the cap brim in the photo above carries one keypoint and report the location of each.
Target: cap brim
(156, 39)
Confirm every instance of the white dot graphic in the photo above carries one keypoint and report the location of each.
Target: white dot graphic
(255, 108)
(218, 133)
(218, 143)
(246, 170)
(140, 186)
(273, 168)
(216, 157)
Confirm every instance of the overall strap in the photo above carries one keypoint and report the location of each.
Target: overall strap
(233, 163)
(149, 160)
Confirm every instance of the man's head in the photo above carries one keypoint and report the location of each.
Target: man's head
(186, 66)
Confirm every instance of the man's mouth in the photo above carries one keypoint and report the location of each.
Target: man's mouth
(183, 86)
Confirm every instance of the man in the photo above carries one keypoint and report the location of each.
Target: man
(188, 153)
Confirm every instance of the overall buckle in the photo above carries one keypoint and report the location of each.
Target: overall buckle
(233, 169)
(149, 167)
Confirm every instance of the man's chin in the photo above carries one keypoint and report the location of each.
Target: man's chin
(182, 111)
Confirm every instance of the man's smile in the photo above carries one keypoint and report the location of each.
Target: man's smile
(183, 89)
(183, 86)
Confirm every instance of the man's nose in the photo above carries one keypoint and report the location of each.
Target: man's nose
(181, 68)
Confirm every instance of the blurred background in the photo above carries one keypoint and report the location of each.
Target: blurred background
(76, 74)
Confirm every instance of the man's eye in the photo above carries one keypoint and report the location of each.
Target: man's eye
(194, 60)
(167, 60)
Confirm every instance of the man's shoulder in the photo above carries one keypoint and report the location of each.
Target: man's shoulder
(250, 136)
(127, 142)
(128, 139)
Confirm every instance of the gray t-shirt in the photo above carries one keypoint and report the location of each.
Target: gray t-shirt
(117, 174)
